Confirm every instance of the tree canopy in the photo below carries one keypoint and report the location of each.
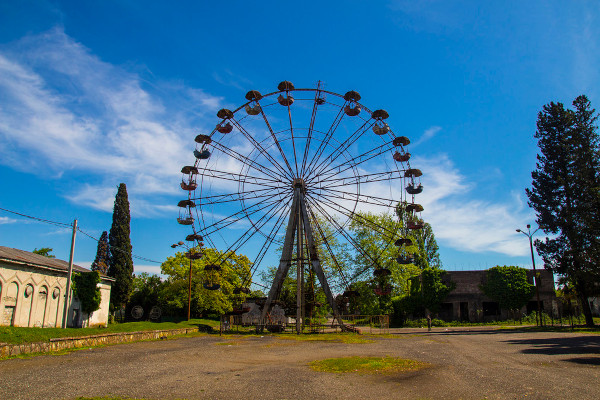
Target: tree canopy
(85, 288)
(508, 285)
(120, 261)
(235, 270)
(102, 260)
(44, 251)
(426, 293)
(565, 194)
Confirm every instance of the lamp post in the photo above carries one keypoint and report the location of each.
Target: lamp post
(530, 234)
(191, 251)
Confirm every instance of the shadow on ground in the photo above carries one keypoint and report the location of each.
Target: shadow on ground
(575, 345)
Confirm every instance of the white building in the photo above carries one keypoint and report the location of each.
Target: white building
(32, 292)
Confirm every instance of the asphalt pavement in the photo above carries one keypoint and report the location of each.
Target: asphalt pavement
(467, 363)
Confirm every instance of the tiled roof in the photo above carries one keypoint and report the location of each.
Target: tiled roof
(36, 260)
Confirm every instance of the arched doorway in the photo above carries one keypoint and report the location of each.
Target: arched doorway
(41, 301)
(10, 303)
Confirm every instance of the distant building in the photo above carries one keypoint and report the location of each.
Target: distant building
(468, 303)
(32, 292)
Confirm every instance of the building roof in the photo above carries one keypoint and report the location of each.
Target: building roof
(17, 256)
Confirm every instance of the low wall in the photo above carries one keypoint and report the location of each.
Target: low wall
(58, 344)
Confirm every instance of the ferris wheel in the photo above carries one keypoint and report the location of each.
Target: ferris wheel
(283, 179)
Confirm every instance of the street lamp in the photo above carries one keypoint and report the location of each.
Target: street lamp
(192, 255)
(530, 234)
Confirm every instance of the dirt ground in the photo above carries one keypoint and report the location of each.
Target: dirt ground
(466, 364)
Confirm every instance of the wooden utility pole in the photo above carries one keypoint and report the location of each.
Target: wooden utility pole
(69, 274)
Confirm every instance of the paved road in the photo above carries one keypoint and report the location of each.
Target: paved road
(466, 364)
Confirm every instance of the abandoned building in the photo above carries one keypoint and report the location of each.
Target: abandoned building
(32, 292)
(468, 303)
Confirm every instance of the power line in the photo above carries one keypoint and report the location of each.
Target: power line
(119, 249)
(64, 225)
(39, 219)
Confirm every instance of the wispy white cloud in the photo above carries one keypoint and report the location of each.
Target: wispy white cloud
(7, 220)
(228, 78)
(75, 112)
(463, 220)
(428, 134)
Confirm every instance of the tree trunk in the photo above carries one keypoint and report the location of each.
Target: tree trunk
(587, 311)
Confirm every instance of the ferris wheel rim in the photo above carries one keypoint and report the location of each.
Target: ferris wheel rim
(242, 181)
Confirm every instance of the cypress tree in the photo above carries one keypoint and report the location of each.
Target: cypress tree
(101, 262)
(565, 194)
(120, 263)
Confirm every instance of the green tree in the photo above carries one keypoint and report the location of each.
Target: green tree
(508, 285)
(565, 194)
(235, 269)
(102, 260)
(375, 235)
(146, 292)
(425, 250)
(426, 294)
(44, 251)
(85, 288)
(121, 264)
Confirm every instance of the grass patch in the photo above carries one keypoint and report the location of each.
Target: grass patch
(367, 365)
(328, 337)
(564, 328)
(19, 335)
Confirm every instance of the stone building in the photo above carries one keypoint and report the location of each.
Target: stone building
(468, 303)
(32, 292)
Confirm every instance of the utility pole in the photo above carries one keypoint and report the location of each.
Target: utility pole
(70, 273)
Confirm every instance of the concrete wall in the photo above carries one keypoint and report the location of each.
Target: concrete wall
(467, 301)
(7, 350)
(34, 297)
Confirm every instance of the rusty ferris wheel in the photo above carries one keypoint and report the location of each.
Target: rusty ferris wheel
(287, 173)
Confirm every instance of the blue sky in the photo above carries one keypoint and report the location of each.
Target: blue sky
(97, 93)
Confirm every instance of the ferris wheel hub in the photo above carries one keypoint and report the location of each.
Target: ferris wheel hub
(299, 183)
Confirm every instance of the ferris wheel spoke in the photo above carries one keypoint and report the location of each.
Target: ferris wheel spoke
(293, 141)
(355, 161)
(323, 145)
(275, 139)
(338, 151)
(343, 232)
(250, 232)
(245, 160)
(231, 176)
(356, 216)
(363, 198)
(324, 239)
(236, 196)
(267, 244)
(311, 127)
(359, 179)
(262, 150)
(238, 216)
